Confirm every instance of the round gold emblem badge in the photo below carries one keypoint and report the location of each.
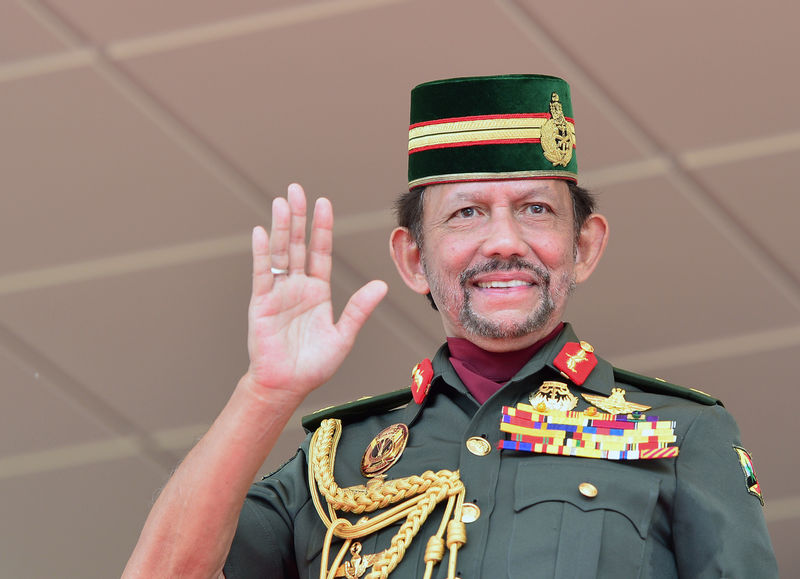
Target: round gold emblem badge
(384, 450)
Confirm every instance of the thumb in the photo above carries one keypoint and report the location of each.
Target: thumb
(359, 307)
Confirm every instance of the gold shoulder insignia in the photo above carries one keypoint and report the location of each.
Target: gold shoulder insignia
(360, 408)
(659, 386)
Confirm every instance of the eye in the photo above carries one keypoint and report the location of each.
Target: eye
(536, 209)
(465, 212)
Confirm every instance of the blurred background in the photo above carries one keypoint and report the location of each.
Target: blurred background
(141, 140)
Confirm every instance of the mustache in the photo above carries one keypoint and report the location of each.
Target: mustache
(541, 275)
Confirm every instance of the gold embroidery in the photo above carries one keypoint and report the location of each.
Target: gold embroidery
(384, 450)
(576, 359)
(486, 135)
(553, 395)
(416, 498)
(616, 403)
(476, 124)
(558, 135)
(358, 563)
(481, 130)
(460, 132)
(487, 176)
(417, 377)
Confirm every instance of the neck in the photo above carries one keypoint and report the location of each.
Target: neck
(483, 371)
(501, 345)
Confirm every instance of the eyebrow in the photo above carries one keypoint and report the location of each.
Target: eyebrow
(480, 193)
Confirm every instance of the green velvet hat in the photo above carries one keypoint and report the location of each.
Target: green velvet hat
(516, 126)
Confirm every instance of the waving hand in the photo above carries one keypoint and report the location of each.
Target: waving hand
(294, 343)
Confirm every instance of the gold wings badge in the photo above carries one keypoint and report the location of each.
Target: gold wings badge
(616, 403)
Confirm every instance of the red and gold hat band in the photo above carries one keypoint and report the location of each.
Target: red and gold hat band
(479, 130)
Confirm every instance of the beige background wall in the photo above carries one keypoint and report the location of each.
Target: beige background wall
(140, 141)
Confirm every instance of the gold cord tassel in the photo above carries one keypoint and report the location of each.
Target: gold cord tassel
(416, 497)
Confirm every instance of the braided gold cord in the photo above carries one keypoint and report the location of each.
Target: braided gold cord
(420, 495)
(456, 535)
(326, 551)
(362, 498)
(407, 532)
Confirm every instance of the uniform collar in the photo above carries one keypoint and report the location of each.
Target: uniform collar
(601, 379)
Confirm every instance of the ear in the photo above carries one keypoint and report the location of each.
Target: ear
(407, 259)
(590, 246)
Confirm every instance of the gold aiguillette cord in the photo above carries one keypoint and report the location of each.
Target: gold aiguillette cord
(417, 496)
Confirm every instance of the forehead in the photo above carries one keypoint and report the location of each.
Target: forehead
(439, 196)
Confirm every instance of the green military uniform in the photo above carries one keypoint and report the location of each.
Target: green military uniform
(688, 516)
(695, 514)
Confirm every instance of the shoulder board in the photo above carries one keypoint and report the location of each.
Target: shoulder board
(660, 386)
(358, 408)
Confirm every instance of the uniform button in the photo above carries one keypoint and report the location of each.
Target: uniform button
(470, 513)
(478, 446)
(588, 490)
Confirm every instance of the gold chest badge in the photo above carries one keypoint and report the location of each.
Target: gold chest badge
(553, 395)
(384, 450)
(616, 403)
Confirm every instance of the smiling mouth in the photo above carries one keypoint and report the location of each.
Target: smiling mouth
(503, 284)
(505, 274)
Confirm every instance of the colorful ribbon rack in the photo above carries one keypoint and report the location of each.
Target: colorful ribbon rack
(572, 433)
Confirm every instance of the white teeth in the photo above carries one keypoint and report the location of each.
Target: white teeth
(510, 283)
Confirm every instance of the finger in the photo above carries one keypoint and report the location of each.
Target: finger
(320, 246)
(297, 228)
(358, 309)
(279, 234)
(262, 276)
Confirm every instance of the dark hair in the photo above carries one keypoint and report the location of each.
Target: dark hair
(583, 205)
(408, 209)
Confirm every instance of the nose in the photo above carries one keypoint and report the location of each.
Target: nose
(504, 236)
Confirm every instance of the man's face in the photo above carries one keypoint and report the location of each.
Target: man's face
(499, 257)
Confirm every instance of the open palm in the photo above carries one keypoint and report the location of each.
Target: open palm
(294, 343)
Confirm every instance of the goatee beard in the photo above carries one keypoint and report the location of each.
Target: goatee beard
(536, 320)
(479, 325)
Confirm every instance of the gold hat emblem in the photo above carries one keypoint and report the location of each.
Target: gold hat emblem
(557, 135)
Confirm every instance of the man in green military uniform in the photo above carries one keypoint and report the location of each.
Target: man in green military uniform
(517, 451)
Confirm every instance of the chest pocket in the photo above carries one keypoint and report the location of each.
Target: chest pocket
(580, 518)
